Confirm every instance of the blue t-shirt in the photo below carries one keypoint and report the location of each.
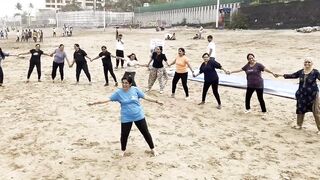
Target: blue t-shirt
(209, 70)
(131, 109)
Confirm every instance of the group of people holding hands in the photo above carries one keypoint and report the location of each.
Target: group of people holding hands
(128, 96)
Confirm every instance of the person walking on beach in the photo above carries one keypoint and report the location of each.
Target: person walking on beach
(182, 65)
(211, 48)
(35, 60)
(79, 57)
(253, 71)
(211, 78)
(131, 111)
(105, 56)
(119, 50)
(54, 32)
(3, 55)
(58, 61)
(41, 35)
(157, 70)
(307, 95)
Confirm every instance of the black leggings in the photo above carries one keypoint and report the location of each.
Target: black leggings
(143, 128)
(106, 68)
(54, 70)
(31, 67)
(82, 66)
(184, 79)
(1, 75)
(132, 75)
(214, 86)
(119, 53)
(259, 92)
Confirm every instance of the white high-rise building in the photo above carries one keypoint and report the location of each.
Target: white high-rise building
(84, 4)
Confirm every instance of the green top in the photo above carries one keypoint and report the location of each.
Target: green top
(181, 4)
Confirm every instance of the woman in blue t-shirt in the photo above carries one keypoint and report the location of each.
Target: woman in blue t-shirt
(253, 70)
(131, 111)
(211, 78)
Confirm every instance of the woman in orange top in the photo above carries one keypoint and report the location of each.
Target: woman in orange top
(182, 64)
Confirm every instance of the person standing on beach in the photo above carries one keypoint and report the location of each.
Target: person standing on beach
(211, 78)
(58, 61)
(131, 65)
(105, 56)
(182, 65)
(119, 50)
(41, 35)
(79, 57)
(131, 111)
(54, 32)
(35, 60)
(157, 70)
(307, 95)
(211, 48)
(3, 55)
(253, 71)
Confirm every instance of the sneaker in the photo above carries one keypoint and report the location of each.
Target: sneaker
(297, 127)
(219, 106)
(172, 95)
(202, 103)
(247, 111)
(161, 92)
(147, 90)
(106, 84)
(186, 98)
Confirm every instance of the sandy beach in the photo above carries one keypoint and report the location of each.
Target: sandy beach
(48, 131)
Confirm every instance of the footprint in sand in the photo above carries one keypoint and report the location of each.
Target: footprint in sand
(237, 155)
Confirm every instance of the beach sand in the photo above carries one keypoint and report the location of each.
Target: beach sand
(48, 131)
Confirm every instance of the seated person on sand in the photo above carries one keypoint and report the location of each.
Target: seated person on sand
(157, 29)
(196, 36)
(171, 37)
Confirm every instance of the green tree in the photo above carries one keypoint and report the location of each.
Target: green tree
(73, 6)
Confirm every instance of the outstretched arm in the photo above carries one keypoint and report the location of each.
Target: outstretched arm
(236, 71)
(88, 57)
(99, 102)
(147, 98)
(47, 54)
(95, 58)
(172, 63)
(21, 54)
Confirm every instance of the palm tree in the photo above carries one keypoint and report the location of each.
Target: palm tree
(19, 8)
(30, 10)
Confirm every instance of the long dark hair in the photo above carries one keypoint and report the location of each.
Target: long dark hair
(1, 54)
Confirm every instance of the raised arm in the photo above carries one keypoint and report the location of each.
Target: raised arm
(99, 102)
(47, 54)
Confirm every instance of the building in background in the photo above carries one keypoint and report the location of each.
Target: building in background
(84, 4)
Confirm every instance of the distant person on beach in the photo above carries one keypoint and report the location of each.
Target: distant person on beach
(157, 71)
(3, 55)
(253, 71)
(18, 36)
(211, 78)
(170, 37)
(54, 32)
(200, 32)
(182, 65)
(79, 57)
(105, 56)
(119, 51)
(307, 95)
(35, 36)
(211, 48)
(41, 36)
(131, 111)
(59, 57)
(196, 36)
(35, 60)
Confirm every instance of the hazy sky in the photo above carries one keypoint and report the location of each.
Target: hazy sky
(7, 7)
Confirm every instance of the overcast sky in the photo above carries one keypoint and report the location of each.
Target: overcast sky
(7, 7)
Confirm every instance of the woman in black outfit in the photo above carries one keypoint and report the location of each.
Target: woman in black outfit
(107, 64)
(79, 57)
(211, 78)
(35, 60)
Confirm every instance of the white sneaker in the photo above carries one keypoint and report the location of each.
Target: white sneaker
(186, 98)
(172, 95)
(161, 92)
(147, 90)
(247, 111)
